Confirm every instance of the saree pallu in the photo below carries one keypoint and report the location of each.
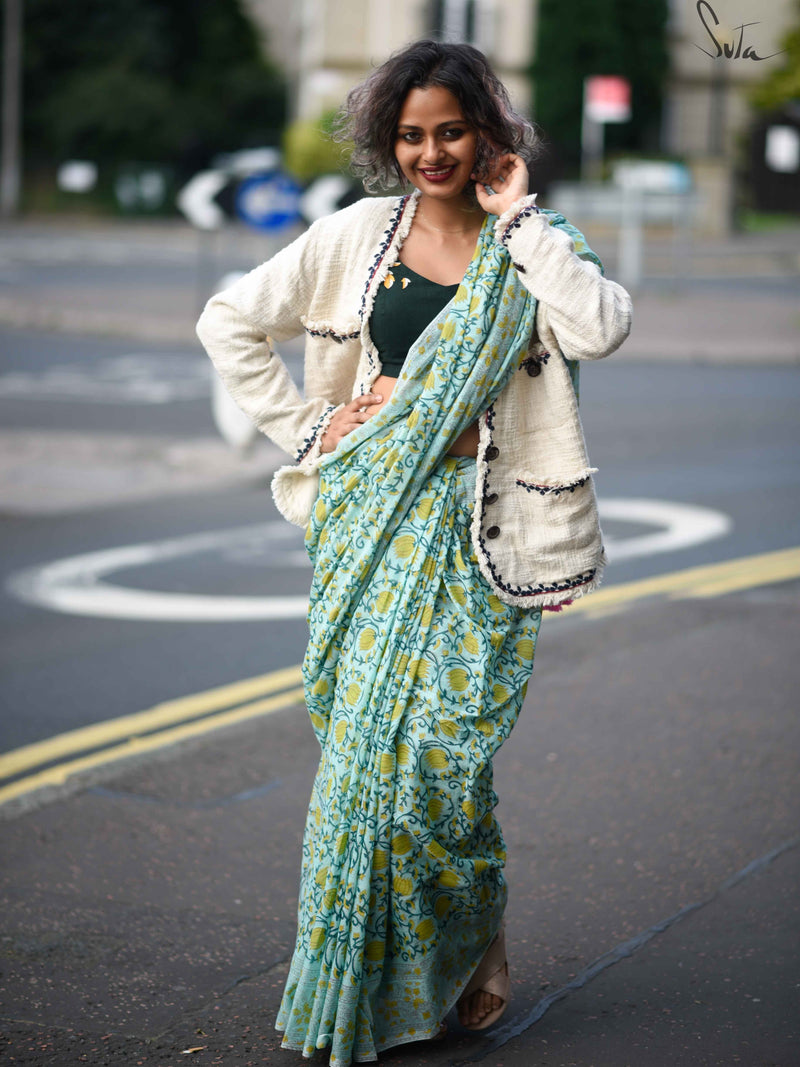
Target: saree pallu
(414, 674)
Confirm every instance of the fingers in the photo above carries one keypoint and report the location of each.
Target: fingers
(512, 171)
(347, 419)
(507, 182)
(353, 414)
(363, 401)
(503, 164)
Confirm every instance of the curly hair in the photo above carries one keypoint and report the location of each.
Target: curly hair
(372, 109)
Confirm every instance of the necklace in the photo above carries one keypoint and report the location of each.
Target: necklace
(439, 228)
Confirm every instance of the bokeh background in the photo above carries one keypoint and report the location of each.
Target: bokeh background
(149, 92)
(155, 753)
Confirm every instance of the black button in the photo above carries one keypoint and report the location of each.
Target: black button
(492, 452)
(490, 499)
(492, 532)
(534, 368)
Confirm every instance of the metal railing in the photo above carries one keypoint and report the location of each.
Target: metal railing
(631, 209)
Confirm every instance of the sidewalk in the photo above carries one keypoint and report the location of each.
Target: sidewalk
(650, 811)
(723, 327)
(733, 300)
(737, 303)
(52, 472)
(709, 316)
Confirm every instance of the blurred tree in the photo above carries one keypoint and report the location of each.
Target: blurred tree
(578, 38)
(309, 149)
(782, 85)
(161, 81)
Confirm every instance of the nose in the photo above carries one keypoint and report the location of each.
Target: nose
(432, 150)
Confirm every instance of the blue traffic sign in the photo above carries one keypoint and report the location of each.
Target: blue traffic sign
(268, 201)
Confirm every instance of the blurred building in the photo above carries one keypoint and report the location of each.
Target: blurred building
(327, 46)
(706, 96)
(707, 117)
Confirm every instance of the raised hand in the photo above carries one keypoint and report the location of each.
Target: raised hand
(508, 181)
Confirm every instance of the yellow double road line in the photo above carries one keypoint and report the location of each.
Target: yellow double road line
(696, 583)
(52, 762)
(145, 731)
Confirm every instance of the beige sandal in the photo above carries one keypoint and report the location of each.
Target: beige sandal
(491, 977)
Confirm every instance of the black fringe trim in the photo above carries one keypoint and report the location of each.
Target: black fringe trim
(308, 444)
(516, 222)
(552, 490)
(339, 338)
(388, 237)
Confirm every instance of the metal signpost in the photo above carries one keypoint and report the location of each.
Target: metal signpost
(606, 98)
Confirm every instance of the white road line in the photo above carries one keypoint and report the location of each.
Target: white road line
(77, 585)
(678, 526)
(136, 378)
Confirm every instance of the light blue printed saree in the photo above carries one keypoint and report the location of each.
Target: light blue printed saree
(414, 676)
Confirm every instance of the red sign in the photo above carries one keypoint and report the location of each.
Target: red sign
(607, 98)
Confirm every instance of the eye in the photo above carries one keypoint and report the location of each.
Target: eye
(454, 133)
(410, 137)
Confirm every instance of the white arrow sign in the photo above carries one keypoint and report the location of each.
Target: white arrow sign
(196, 199)
(322, 196)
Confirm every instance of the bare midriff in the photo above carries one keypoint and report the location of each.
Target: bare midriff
(466, 444)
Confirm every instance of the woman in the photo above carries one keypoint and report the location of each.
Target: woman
(442, 478)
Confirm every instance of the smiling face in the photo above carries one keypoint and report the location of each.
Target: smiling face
(435, 146)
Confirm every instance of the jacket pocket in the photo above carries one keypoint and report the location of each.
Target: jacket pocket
(559, 532)
(339, 332)
(555, 487)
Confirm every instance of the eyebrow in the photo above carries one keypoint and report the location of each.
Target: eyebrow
(449, 122)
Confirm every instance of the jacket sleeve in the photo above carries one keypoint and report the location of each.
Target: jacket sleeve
(238, 327)
(587, 315)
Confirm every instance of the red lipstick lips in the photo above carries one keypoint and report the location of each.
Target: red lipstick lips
(437, 174)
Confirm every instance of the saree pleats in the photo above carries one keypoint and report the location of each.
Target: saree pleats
(414, 675)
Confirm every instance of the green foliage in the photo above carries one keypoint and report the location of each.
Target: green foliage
(782, 86)
(579, 38)
(750, 221)
(309, 150)
(165, 81)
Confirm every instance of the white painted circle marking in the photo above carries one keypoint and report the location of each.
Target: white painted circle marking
(77, 585)
(677, 526)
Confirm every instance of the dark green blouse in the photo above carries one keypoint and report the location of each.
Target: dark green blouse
(404, 305)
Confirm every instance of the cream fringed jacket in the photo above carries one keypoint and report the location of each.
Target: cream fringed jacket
(535, 527)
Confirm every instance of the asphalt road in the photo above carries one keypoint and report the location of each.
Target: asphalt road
(648, 798)
(718, 439)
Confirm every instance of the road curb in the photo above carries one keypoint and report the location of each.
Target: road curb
(49, 472)
(52, 318)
